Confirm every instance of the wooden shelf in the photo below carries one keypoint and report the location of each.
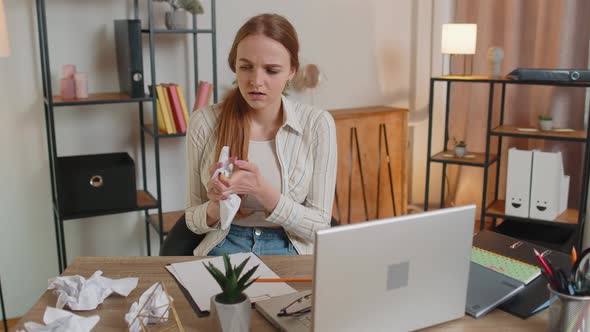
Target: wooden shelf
(169, 220)
(448, 157)
(576, 135)
(507, 80)
(99, 98)
(177, 31)
(568, 217)
(145, 201)
(149, 128)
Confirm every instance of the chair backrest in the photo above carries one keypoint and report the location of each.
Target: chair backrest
(180, 240)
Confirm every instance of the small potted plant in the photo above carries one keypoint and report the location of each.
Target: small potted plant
(173, 19)
(460, 148)
(545, 122)
(230, 309)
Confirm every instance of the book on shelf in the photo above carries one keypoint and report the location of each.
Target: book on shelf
(176, 108)
(161, 124)
(204, 91)
(166, 112)
(182, 103)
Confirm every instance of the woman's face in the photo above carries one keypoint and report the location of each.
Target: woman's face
(263, 66)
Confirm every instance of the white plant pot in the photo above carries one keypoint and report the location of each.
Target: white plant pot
(460, 151)
(546, 125)
(230, 317)
(174, 20)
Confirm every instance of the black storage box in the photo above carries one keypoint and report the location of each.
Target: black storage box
(554, 237)
(97, 182)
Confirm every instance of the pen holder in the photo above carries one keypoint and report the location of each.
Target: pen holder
(569, 313)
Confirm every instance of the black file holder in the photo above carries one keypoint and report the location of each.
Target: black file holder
(534, 297)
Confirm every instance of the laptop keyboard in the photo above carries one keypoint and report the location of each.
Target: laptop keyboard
(305, 320)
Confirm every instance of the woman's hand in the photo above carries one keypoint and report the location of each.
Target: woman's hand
(245, 179)
(215, 187)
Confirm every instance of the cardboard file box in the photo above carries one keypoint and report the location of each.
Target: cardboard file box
(93, 183)
(518, 182)
(549, 186)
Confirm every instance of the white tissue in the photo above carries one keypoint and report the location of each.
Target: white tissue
(80, 294)
(227, 207)
(62, 321)
(152, 307)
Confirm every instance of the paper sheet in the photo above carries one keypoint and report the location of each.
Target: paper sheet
(230, 206)
(154, 304)
(62, 321)
(201, 285)
(79, 293)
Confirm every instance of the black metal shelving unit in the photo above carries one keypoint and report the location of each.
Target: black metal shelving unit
(571, 218)
(145, 199)
(4, 322)
(162, 222)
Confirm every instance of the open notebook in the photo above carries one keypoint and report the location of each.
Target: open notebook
(201, 286)
(507, 266)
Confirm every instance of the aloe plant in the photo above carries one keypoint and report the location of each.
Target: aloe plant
(544, 117)
(231, 283)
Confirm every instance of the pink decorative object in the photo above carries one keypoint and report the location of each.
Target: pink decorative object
(81, 80)
(67, 88)
(204, 90)
(68, 71)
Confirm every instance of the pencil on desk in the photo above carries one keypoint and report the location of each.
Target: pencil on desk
(283, 280)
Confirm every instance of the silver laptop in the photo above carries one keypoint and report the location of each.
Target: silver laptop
(396, 274)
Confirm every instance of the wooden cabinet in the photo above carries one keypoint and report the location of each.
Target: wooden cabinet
(363, 186)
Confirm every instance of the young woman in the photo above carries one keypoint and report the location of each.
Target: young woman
(284, 152)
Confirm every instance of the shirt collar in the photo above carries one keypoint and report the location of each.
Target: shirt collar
(290, 118)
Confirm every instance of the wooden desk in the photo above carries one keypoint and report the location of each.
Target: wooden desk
(151, 269)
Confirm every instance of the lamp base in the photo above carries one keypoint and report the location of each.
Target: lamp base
(466, 57)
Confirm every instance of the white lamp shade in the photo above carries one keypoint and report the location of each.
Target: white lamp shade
(458, 38)
(4, 47)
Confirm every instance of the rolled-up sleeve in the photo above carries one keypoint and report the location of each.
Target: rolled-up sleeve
(304, 219)
(197, 201)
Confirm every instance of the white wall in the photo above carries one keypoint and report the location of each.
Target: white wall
(371, 52)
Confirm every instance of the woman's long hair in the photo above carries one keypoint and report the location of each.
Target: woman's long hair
(233, 128)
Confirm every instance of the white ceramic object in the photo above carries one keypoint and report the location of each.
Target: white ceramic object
(546, 125)
(495, 58)
(231, 317)
(460, 151)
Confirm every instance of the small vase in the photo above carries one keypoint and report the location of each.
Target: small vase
(230, 317)
(459, 151)
(546, 125)
(173, 20)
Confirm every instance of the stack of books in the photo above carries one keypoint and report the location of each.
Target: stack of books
(173, 115)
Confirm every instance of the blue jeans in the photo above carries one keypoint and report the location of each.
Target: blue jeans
(259, 240)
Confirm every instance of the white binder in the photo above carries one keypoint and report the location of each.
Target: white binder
(549, 186)
(518, 182)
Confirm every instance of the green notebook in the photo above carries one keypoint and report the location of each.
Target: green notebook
(510, 267)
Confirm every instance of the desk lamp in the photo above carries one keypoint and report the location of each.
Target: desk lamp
(459, 39)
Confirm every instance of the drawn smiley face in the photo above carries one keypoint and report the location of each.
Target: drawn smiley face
(541, 205)
(516, 202)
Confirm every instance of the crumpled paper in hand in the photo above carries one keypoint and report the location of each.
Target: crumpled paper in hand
(230, 206)
(63, 321)
(78, 293)
(152, 306)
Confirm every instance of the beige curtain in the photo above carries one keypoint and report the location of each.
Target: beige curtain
(533, 34)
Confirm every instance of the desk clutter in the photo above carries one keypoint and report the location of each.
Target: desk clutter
(80, 294)
(505, 274)
(57, 320)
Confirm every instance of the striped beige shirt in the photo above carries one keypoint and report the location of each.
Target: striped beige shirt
(306, 150)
